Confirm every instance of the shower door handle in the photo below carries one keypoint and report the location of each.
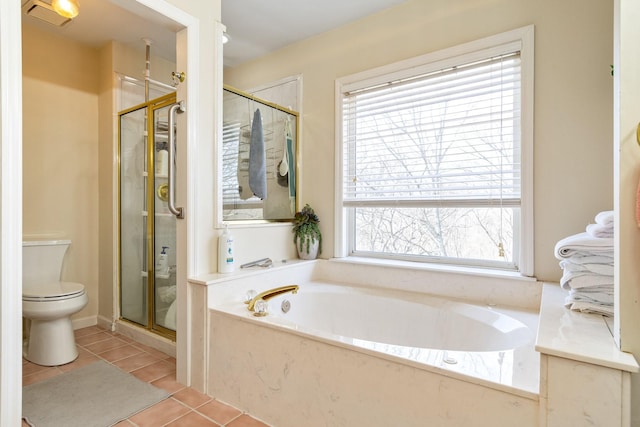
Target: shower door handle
(177, 107)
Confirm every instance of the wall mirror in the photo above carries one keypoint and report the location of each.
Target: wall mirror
(259, 159)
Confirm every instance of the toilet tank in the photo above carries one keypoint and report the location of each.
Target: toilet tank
(42, 260)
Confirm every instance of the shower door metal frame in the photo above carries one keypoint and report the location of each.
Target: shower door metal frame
(151, 106)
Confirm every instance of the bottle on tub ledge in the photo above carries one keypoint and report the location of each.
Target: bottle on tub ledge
(225, 252)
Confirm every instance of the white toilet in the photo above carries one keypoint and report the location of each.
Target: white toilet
(49, 303)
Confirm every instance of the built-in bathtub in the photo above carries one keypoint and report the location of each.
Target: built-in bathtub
(350, 355)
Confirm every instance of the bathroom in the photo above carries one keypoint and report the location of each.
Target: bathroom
(573, 52)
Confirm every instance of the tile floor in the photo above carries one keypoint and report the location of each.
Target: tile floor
(185, 406)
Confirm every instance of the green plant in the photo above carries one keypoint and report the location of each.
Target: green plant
(306, 229)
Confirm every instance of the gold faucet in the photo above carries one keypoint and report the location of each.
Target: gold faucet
(266, 295)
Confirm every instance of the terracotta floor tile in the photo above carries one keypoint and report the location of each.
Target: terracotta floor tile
(135, 362)
(83, 352)
(168, 383)
(40, 376)
(31, 368)
(193, 419)
(218, 411)
(160, 414)
(79, 362)
(152, 351)
(156, 370)
(119, 353)
(124, 338)
(191, 397)
(246, 421)
(102, 346)
(92, 338)
(87, 331)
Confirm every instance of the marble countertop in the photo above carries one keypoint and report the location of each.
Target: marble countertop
(577, 336)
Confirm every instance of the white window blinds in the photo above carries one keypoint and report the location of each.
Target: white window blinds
(450, 137)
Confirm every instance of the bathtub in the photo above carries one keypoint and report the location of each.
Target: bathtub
(337, 346)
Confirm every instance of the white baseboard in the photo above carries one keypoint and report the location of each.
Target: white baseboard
(84, 322)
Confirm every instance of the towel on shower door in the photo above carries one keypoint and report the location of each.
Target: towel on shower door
(292, 167)
(257, 158)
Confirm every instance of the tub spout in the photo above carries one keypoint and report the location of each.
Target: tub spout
(272, 293)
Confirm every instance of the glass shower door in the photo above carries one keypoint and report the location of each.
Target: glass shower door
(133, 221)
(164, 292)
(147, 227)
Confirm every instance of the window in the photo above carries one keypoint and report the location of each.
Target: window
(436, 156)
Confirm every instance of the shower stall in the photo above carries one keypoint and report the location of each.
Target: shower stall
(147, 231)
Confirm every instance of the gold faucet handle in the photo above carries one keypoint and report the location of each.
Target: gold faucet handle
(266, 295)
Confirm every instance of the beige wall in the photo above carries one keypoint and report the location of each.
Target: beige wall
(60, 151)
(573, 98)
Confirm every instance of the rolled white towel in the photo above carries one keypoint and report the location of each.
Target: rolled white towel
(588, 307)
(602, 231)
(597, 268)
(605, 218)
(604, 298)
(570, 280)
(583, 244)
(590, 259)
(604, 289)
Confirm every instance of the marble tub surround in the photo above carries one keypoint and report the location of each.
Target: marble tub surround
(291, 381)
(288, 378)
(585, 378)
(291, 377)
(385, 324)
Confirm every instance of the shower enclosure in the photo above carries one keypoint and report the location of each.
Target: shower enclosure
(147, 215)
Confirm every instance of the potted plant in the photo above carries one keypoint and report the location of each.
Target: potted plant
(306, 233)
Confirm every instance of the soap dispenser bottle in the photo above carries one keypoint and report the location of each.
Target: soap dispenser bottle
(225, 252)
(162, 265)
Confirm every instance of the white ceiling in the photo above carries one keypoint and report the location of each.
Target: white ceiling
(256, 27)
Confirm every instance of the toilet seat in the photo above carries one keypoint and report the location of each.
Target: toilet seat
(53, 291)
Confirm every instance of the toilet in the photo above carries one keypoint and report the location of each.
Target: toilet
(49, 303)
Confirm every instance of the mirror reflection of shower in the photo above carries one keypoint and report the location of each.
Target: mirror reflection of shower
(262, 188)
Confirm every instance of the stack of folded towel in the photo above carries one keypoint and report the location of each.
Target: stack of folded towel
(587, 263)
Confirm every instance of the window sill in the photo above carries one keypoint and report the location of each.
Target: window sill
(440, 268)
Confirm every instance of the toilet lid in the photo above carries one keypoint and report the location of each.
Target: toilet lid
(52, 290)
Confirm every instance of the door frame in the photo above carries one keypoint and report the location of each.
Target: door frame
(192, 56)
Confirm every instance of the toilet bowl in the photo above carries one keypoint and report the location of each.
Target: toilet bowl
(49, 303)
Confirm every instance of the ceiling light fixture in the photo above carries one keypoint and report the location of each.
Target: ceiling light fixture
(67, 8)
